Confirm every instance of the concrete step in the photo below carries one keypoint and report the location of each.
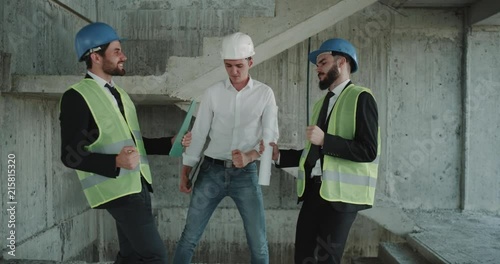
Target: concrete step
(400, 253)
(181, 70)
(425, 250)
(366, 260)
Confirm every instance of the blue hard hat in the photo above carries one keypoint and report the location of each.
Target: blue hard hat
(93, 35)
(337, 45)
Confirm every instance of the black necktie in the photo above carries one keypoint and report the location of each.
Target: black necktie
(314, 152)
(117, 96)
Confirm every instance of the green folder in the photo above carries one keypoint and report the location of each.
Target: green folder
(177, 147)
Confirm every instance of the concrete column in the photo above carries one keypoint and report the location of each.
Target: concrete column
(482, 122)
(2, 28)
(5, 81)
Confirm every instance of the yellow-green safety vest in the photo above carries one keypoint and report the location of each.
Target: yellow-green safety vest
(114, 133)
(343, 180)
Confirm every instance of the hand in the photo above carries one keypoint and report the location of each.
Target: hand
(276, 151)
(184, 185)
(128, 158)
(186, 139)
(261, 147)
(315, 135)
(240, 159)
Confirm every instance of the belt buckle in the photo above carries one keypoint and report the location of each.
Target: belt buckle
(228, 164)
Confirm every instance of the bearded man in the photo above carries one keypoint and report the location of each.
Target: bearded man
(338, 167)
(101, 140)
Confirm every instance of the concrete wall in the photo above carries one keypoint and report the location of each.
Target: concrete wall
(412, 59)
(40, 36)
(414, 69)
(423, 145)
(41, 33)
(2, 27)
(481, 141)
(51, 212)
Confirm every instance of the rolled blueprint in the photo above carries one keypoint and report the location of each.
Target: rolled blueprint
(269, 126)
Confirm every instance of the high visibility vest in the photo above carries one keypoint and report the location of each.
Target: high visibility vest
(343, 180)
(114, 133)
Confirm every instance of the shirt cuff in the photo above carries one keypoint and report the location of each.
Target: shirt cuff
(257, 148)
(189, 160)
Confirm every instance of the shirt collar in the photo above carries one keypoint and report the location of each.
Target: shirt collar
(100, 80)
(339, 88)
(228, 85)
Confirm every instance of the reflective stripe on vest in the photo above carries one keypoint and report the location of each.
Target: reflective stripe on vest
(114, 133)
(343, 180)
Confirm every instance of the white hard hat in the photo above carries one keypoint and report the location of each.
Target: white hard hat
(237, 46)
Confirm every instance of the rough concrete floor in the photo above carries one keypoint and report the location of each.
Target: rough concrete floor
(454, 236)
(459, 237)
(54, 262)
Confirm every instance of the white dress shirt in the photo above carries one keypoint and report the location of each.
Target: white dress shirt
(231, 119)
(317, 171)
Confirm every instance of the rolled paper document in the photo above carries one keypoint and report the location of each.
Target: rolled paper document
(269, 127)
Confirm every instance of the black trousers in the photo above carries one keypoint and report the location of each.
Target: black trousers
(138, 236)
(322, 229)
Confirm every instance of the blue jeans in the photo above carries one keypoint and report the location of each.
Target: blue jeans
(215, 182)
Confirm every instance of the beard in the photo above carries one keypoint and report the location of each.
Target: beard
(332, 75)
(112, 70)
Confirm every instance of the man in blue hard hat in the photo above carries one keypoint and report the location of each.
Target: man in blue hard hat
(338, 167)
(101, 139)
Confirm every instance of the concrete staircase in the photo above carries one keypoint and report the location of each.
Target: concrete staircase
(398, 253)
(389, 253)
(187, 77)
(295, 21)
(411, 248)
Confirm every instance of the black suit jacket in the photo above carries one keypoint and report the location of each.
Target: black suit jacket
(363, 148)
(79, 129)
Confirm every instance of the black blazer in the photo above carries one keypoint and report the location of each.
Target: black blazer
(363, 148)
(79, 129)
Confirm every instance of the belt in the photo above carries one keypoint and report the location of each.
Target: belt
(224, 163)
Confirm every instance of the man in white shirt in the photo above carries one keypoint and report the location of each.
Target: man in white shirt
(230, 115)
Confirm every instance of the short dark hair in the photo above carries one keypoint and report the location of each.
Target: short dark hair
(102, 51)
(347, 58)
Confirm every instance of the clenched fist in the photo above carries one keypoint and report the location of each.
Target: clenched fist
(240, 159)
(315, 135)
(128, 158)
